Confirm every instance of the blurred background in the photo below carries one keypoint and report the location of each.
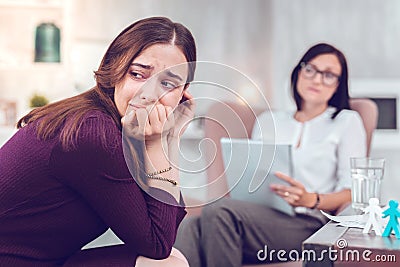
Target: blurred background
(50, 48)
(261, 38)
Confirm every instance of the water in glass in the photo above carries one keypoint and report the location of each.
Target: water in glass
(366, 185)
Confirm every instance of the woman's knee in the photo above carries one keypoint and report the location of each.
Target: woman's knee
(177, 254)
(220, 216)
(175, 259)
(188, 230)
(218, 208)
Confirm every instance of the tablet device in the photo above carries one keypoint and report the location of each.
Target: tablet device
(249, 169)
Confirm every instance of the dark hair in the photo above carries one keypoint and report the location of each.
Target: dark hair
(113, 67)
(136, 38)
(340, 99)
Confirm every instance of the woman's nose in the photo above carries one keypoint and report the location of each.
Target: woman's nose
(148, 98)
(318, 77)
(149, 93)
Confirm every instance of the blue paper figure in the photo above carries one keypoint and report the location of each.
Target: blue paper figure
(393, 223)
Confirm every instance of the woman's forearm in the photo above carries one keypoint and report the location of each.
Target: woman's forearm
(173, 152)
(333, 201)
(156, 158)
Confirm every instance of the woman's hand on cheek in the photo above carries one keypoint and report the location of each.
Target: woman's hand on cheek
(183, 114)
(294, 192)
(148, 124)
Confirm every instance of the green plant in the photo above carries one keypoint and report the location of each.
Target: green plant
(38, 101)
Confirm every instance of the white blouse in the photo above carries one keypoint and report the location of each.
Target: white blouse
(322, 147)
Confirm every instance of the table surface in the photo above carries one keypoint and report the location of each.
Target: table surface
(344, 238)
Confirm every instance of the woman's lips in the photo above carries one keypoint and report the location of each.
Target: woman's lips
(135, 106)
(314, 90)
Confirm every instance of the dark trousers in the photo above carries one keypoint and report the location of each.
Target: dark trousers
(231, 232)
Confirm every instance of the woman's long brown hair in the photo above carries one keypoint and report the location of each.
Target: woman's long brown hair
(113, 67)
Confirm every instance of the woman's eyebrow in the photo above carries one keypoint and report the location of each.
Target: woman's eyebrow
(328, 68)
(173, 75)
(147, 67)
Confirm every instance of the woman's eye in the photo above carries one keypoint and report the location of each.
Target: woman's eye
(329, 75)
(137, 75)
(168, 85)
(309, 69)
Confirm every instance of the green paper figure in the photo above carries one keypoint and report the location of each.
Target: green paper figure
(393, 223)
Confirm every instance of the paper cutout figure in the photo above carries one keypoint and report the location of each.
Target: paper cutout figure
(356, 221)
(374, 211)
(394, 215)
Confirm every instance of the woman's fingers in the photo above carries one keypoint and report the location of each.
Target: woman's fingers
(190, 103)
(169, 112)
(162, 113)
(128, 119)
(157, 121)
(153, 119)
(286, 192)
(284, 188)
(291, 193)
(170, 117)
(183, 114)
(289, 196)
(142, 118)
(188, 96)
(288, 179)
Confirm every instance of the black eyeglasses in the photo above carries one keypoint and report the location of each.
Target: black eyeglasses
(309, 71)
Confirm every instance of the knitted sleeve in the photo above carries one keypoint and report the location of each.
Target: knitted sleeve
(96, 170)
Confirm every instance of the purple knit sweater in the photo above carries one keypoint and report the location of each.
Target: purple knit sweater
(53, 202)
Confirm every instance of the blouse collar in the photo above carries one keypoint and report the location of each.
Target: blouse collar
(326, 114)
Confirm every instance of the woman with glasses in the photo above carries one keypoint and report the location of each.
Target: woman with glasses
(324, 134)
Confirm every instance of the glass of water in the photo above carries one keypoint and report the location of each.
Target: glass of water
(366, 174)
